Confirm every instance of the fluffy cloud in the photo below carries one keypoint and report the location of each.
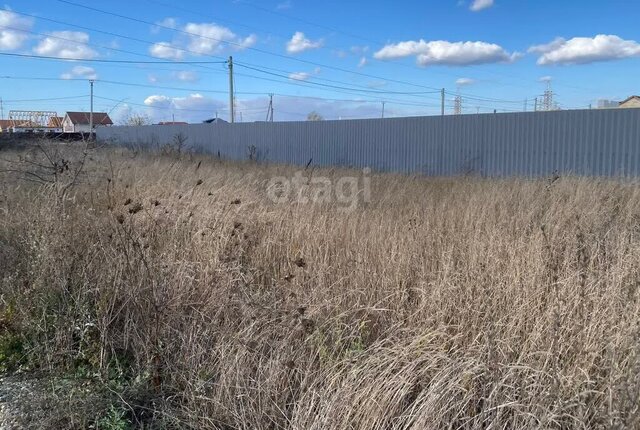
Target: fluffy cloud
(479, 5)
(80, 72)
(201, 39)
(166, 51)
(66, 44)
(463, 82)
(441, 52)
(207, 39)
(584, 50)
(300, 43)
(168, 22)
(13, 39)
(303, 76)
(299, 76)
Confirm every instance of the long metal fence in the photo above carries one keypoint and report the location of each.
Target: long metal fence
(581, 142)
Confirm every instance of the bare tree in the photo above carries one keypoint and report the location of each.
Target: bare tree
(136, 119)
(314, 116)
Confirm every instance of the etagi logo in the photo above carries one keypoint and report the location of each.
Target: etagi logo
(346, 191)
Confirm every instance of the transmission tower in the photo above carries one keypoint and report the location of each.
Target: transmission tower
(547, 98)
(457, 105)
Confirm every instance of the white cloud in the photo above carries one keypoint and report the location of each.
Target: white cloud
(545, 79)
(463, 82)
(13, 39)
(363, 62)
(201, 39)
(584, 50)
(80, 72)
(186, 76)
(303, 76)
(441, 52)
(299, 76)
(166, 50)
(299, 43)
(168, 22)
(248, 41)
(157, 101)
(479, 5)
(66, 44)
(209, 38)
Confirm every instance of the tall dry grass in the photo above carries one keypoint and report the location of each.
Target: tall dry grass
(442, 303)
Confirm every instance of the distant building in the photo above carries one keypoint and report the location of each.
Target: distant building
(55, 124)
(172, 123)
(608, 104)
(78, 122)
(6, 125)
(631, 102)
(215, 121)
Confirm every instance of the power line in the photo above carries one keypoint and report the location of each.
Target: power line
(94, 60)
(304, 21)
(230, 43)
(240, 45)
(366, 90)
(45, 100)
(148, 42)
(131, 84)
(109, 33)
(334, 86)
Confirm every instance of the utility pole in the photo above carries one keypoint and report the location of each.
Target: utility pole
(231, 95)
(442, 102)
(526, 102)
(383, 103)
(1, 109)
(91, 112)
(535, 105)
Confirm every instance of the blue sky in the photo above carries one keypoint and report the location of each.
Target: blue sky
(339, 58)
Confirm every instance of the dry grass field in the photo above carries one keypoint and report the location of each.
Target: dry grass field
(183, 297)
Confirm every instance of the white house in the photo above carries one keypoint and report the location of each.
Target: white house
(78, 122)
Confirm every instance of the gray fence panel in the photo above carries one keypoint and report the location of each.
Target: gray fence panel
(583, 142)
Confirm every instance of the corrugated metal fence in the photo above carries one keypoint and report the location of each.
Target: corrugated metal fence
(583, 142)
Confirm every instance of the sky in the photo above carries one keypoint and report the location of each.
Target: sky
(167, 60)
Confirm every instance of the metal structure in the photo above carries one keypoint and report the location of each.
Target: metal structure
(32, 118)
(457, 105)
(583, 142)
(547, 98)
